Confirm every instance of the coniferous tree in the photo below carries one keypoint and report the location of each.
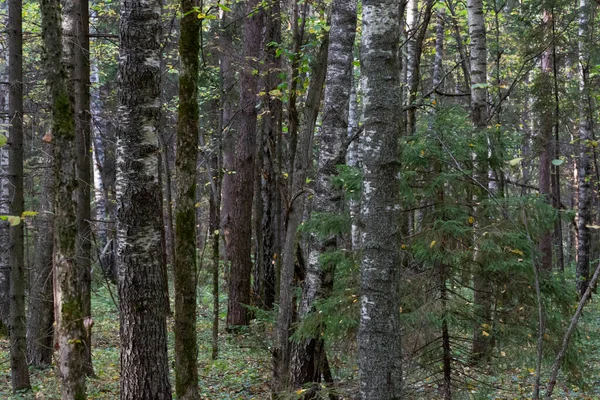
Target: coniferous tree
(17, 327)
(186, 367)
(40, 310)
(238, 182)
(584, 165)
(67, 276)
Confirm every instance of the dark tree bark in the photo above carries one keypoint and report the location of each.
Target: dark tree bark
(40, 311)
(17, 328)
(326, 199)
(269, 171)
(415, 49)
(584, 165)
(379, 351)
(68, 278)
(545, 149)
(238, 182)
(77, 28)
(143, 331)
(295, 211)
(185, 274)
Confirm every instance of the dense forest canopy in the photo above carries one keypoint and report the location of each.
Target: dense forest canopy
(325, 199)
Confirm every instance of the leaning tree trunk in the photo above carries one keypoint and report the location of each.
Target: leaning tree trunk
(584, 198)
(379, 350)
(295, 211)
(143, 312)
(186, 348)
(40, 311)
(327, 200)
(238, 182)
(16, 328)
(67, 276)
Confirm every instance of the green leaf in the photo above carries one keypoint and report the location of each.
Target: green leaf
(224, 7)
(557, 162)
(3, 140)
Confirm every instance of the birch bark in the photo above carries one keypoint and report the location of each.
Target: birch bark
(143, 330)
(379, 351)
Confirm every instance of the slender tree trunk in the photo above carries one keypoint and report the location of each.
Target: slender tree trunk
(238, 183)
(81, 91)
(4, 203)
(215, 202)
(326, 199)
(464, 61)
(40, 312)
(418, 31)
(479, 114)
(17, 328)
(379, 350)
(302, 163)
(584, 166)
(186, 348)
(68, 279)
(438, 167)
(144, 363)
(353, 159)
(545, 109)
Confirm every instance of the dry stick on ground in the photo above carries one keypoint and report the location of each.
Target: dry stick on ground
(569, 333)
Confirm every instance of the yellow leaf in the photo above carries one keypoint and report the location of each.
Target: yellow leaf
(484, 333)
(517, 251)
(471, 220)
(432, 244)
(485, 326)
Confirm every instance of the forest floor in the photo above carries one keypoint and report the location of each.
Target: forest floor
(243, 369)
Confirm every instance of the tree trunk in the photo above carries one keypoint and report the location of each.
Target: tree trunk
(418, 31)
(545, 109)
(238, 182)
(479, 115)
(584, 175)
(68, 278)
(302, 163)
(144, 363)
(270, 173)
(185, 274)
(81, 90)
(40, 313)
(17, 328)
(379, 350)
(326, 199)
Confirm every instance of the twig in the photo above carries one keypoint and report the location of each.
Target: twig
(569, 332)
